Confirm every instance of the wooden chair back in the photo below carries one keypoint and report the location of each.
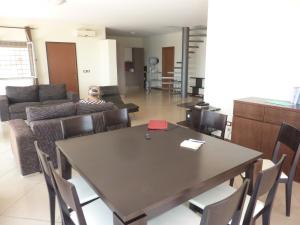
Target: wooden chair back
(266, 184)
(77, 126)
(44, 158)
(68, 199)
(208, 121)
(116, 119)
(289, 136)
(226, 210)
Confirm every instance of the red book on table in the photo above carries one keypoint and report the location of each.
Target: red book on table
(158, 125)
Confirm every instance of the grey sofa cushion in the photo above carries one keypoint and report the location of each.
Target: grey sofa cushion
(52, 92)
(20, 107)
(22, 94)
(83, 108)
(50, 112)
(53, 102)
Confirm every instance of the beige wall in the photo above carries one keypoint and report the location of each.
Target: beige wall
(93, 53)
(88, 52)
(155, 43)
(124, 43)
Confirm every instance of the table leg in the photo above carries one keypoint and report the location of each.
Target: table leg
(64, 167)
(138, 221)
(252, 173)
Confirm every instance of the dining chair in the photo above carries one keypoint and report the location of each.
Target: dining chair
(97, 213)
(85, 193)
(116, 119)
(290, 137)
(266, 184)
(77, 126)
(207, 122)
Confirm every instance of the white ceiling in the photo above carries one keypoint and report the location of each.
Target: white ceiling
(143, 17)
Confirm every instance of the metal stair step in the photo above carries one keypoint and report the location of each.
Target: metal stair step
(198, 28)
(196, 41)
(197, 35)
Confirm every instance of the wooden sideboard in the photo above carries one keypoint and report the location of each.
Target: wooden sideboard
(256, 123)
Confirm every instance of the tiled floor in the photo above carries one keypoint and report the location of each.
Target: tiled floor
(24, 200)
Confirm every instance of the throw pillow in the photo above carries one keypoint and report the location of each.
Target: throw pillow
(50, 112)
(22, 94)
(52, 92)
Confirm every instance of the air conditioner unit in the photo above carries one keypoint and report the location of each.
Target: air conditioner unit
(86, 33)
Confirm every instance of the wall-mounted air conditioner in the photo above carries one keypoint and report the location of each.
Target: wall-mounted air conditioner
(86, 33)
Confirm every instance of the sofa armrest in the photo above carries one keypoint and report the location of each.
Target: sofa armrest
(4, 113)
(73, 96)
(22, 144)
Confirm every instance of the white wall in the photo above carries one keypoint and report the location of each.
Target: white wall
(108, 63)
(154, 45)
(253, 49)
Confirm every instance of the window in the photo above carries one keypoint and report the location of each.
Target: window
(16, 67)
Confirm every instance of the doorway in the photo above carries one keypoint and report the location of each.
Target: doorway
(167, 67)
(62, 64)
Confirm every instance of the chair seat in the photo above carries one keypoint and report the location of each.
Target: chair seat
(85, 192)
(177, 216)
(219, 193)
(95, 213)
(267, 163)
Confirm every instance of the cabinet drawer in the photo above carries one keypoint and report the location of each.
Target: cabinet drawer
(248, 110)
(278, 116)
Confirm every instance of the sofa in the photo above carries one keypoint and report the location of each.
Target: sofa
(112, 94)
(43, 125)
(14, 103)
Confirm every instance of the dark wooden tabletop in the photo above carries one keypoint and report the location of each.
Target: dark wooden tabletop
(136, 176)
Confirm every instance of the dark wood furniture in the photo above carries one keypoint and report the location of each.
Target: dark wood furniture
(290, 137)
(77, 126)
(85, 193)
(206, 121)
(261, 119)
(228, 210)
(266, 185)
(222, 212)
(198, 85)
(112, 94)
(116, 119)
(140, 178)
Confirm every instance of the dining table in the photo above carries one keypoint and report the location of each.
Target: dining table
(141, 173)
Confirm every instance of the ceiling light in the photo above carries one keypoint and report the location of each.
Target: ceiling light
(57, 2)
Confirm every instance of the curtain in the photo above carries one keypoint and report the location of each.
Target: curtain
(30, 47)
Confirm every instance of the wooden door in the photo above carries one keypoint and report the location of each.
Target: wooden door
(62, 64)
(167, 66)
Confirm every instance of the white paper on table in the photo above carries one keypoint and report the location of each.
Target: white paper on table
(191, 144)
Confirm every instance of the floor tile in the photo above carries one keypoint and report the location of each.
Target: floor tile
(22, 221)
(24, 200)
